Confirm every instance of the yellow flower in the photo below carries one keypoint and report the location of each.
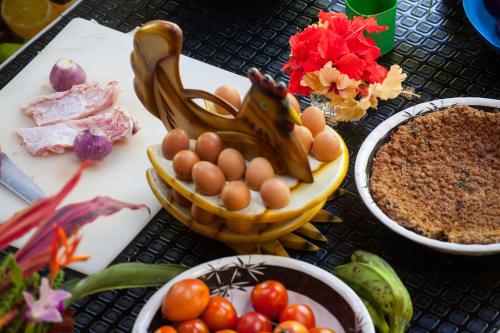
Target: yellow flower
(352, 110)
(343, 97)
(321, 82)
(391, 86)
(312, 81)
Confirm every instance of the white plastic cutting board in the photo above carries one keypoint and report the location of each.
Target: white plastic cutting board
(104, 54)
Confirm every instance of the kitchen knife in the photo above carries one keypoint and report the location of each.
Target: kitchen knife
(16, 181)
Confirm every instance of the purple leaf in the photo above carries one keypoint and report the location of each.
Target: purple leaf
(35, 254)
(36, 214)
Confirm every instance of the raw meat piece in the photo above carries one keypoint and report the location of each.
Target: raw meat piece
(81, 101)
(56, 138)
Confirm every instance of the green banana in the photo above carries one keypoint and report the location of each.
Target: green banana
(378, 284)
(376, 261)
(369, 283)
(377, 317)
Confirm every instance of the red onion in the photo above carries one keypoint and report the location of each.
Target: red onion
(92, 145)
(65, 74)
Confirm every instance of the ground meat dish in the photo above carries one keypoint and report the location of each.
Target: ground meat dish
(439, 175)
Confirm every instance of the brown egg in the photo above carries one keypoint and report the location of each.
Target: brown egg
(175, 141)
(275, 193)
(314, 119)
(258, 170)
(208, 178)
(230, 95)
(235, 195)
(232, 163)
(239, 227)
(303, 134)
(293, 102)
(208, 147)
(202, 216)
(180, 199)
(326, 147)
(183, 163)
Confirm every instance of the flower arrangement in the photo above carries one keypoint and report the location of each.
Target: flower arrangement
(334, 59)
(32, 303)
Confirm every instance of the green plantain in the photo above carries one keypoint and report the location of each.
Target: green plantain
(376, 261)
(378, 284)
(377, 317)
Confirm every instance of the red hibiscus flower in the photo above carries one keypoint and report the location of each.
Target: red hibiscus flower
(351, 65)
(364, 47)
(332, 46)
(295, 86)
(369, 24)
(374, 73)
(337, 22)
(339, 40)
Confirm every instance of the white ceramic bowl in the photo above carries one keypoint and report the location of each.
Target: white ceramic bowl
(335, 305)
(379, 136)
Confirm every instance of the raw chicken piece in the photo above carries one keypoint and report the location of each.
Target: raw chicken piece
(81, 101)
(56, 138)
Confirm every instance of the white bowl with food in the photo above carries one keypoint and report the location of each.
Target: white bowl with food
(430, 174)
(335, 306)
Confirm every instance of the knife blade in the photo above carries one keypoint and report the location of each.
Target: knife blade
(16, 181)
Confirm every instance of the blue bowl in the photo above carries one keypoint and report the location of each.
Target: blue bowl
(483, 21)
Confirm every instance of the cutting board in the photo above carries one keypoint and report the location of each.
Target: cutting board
(104, 54)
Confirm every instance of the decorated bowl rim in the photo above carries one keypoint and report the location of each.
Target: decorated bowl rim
(361, 313)
(371, 145)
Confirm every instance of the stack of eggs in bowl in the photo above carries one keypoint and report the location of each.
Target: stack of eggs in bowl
(224, 172)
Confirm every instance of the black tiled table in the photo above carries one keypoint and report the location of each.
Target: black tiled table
(443, 56)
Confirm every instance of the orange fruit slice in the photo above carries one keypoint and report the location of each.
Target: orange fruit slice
(26, 17)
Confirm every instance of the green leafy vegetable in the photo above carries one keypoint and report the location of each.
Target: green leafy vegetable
(121, 276)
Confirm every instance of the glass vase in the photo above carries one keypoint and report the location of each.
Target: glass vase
(328, 109)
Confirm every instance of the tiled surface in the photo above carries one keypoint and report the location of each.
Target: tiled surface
(443, 57)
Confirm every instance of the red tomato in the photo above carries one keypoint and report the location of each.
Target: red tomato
(290, 326)
(193, 326)
(219, 314)
(320, 330)
(269, 298)
(253, 322)
(185, 300)
(226, 331)
(299, 312)
(166, 329)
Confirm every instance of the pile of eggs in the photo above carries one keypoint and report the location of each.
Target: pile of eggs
(313, 137)
(218, 171)
(324, 145)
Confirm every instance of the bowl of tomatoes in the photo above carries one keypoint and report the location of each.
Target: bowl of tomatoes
(254, 294)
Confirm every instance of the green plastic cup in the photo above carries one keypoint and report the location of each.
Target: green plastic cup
(385, 14)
